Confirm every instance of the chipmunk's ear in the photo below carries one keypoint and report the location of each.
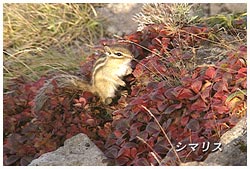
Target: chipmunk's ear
(107, 50)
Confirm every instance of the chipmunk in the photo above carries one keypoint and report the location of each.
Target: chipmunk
(106, 77)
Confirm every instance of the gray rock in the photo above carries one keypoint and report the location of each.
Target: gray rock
(219, 8)
(234, 144)
(77, 151)
(119, 17)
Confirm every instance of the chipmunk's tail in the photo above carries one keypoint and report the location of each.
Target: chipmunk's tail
(71, 82)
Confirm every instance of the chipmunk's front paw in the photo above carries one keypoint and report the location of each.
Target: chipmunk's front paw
(129, 71)
(123, 84)
(108, 100)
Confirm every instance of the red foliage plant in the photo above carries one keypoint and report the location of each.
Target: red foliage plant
(191, 106)
(28, 134)
(193, 111)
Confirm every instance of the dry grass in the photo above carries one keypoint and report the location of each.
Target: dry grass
(43, 25)
(40, 38)
(34, 63)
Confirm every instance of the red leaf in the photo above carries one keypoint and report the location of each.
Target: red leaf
(164, 33)
(161, 106)
(161, 147)
(124, 152)
(134, 129)
(134, 37)
(82, 99)
(209, 115)
(155, 96)
(117, 133)
(152, 128)
(242, 72)
(199, 105)
(91, 122)
(172, 108)
(209, 124)
(143, 135)
(196, 86)
(122, 160)
(196, 115)
(129, 145)
(206, 93)
(196, 73)
(193, 125)
(219, 97)
(112, 152)
(154, 111)
(133, 152)
(166, 124)
(184, 94)
(86, 95)
(243, 48)
(227, 77)
(11, 159)
(220, 109)
(220, 86)
(138, 71)
(152, 85)
(122, 124)
(103, 133)
(151, 47)
(135, 126)
(135, 90)
(120, 140)
(26, 160)
(210, 72)
(169, 94)
(184, 120)
(176, 52)
(187, 56)
(141, 162)
(165, 42)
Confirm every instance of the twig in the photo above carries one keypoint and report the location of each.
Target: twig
(155, 157)
(155, 154)
(164, 133)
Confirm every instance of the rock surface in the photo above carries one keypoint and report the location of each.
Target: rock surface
(77, 151)
(220, 8)
(119, 17)
(234, 145)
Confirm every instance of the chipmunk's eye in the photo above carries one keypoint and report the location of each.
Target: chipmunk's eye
(118, 54)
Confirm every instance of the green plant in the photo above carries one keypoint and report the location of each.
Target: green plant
(229, 21)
